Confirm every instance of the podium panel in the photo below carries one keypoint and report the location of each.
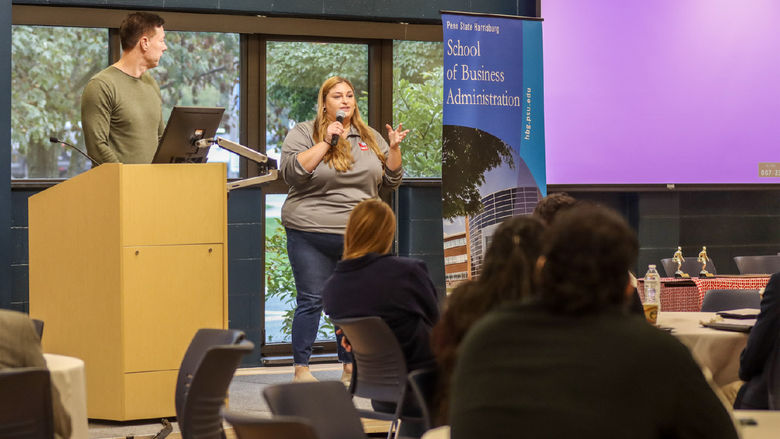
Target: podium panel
(126, 263)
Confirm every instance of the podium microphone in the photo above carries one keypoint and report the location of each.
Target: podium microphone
(62, 142)
(339, 117)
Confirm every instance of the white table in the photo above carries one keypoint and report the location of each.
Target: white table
(767, 424)
(717, 350)
(67, 373)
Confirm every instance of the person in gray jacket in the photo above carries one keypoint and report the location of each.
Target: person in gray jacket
(331, 164)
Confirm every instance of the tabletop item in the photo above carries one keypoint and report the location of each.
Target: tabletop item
(679, 259)
(703, 260)
(652, 302)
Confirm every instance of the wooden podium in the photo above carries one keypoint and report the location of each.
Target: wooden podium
(126, 263)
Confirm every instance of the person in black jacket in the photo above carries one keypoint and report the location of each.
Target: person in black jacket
(754, 394)
(574, 363)
(370, 282)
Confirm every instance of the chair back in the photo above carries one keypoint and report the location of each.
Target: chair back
(326, 405)
(200, 414)
(279, 427)
(690, 266)
(380, 367)
(25, 404)
(423, 383)
(38, 328)
(723, 300)
(201, 342)
(767, 264)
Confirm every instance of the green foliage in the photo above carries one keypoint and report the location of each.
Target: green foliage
(50, 67)
(417, 103)
(201, 68)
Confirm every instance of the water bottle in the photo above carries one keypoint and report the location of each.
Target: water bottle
(652, 302)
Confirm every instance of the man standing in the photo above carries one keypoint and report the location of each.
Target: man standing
(121, 107)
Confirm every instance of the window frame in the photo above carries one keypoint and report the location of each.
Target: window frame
(254, 32)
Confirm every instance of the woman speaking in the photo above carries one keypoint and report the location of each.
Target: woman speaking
(331, 164)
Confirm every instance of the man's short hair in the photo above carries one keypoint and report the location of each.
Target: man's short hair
(136, 25)
(588, 251)
(549, 207)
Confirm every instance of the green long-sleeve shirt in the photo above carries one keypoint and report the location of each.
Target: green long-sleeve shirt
(121, 117)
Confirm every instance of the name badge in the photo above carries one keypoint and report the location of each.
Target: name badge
(363, 146)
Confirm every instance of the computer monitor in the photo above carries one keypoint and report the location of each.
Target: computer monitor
(186, 126)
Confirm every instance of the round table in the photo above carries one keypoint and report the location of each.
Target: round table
(717, 350)
(67, 373)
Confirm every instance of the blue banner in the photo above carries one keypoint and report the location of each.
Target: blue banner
(493, 158)
(493, 84)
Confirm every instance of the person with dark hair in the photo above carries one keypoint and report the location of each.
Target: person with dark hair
(331, 164)
(574, 363)
(755, 358)
(21, 347)
(548, 207)
(371, 282)
(121, 106)
(507, 276)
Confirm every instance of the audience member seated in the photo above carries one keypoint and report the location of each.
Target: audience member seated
(754, 394)
(548, 207)
(574, 363)
(507, 275)
(370, 282)
(21, 347)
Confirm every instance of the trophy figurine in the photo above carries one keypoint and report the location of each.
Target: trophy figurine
(703, 260)
(679, 259)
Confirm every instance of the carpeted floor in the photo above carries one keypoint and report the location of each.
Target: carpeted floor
(246, 395)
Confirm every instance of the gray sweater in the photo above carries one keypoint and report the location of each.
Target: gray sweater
(320, 201)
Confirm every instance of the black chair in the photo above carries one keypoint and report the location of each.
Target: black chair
(38, 327)
(202, 388)
(25, 404)
(201, 342)
(691, 266)
(723, 300)
(379, 372)
(326, 405)
(767, 264)
(279, 427)
(423, 383)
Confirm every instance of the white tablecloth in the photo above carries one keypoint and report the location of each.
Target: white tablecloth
(67, 373)
(717, 350)
(767, 424)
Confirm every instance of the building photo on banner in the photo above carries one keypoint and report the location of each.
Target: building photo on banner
(493, 158)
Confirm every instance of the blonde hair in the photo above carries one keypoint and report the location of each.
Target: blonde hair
(370, 229)
(340, 156)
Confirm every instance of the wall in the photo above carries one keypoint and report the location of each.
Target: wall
(412, 11)
(729, 222)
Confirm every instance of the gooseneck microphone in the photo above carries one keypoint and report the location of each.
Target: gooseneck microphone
(334, 139)
(56, 140)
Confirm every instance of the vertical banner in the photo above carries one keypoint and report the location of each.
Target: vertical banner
(493, 159)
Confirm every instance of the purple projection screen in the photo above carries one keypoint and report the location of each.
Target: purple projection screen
(662, 91)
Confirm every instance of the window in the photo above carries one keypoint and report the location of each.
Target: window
(455, 243)
(295, 71)
(457, 259)
(202, 69)
(417, 103)
(50, 67)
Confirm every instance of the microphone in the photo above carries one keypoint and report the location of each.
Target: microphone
(56, 140)
(334, 139)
